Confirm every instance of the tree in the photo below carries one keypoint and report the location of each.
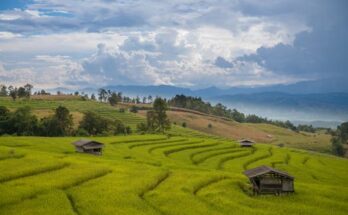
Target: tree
(13, 93)
(102, 94)
(137, 100)
(151, 121)
(141, 127)
(337, 146)
(28, 88)
(64, 121)
(149, 99)
(60, 124)
(93, 97)
(21, 92)
(133, 109)
(23, 122)
(4, 117)
(94, 124)
(160, 116)
(113, 99)
(3, 90)
(144, 100)
(342, 131)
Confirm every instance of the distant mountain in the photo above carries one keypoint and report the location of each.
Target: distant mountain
(160, 90)
(321, 100)
(305, 87)
(296, 107)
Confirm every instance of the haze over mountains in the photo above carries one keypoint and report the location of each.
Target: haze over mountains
(320, 103)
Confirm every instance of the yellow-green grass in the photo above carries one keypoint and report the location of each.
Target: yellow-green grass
(45, 106)
(262, 133)
(159, 174)
(303, 140)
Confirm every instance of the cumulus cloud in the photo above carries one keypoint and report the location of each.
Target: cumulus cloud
(317, 54)
(178, 42)
(170, 57)
(44, 71)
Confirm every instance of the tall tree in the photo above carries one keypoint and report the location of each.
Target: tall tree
(93, 97)
(102, 95)
(28, 88)
(160, 108)
(149, 99)
(342, 131)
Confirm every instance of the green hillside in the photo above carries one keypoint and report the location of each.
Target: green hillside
(153, 174)
(44, 105)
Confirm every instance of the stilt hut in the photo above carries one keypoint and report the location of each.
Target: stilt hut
(89, 146)
(246, 143)
(268, 180)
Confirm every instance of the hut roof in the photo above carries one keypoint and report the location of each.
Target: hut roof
(246, 141)
(261, 170)
(89, 143)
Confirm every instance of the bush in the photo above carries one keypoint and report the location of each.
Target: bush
(210, 125)
(141, 128)
(133, 109)
(81, 133)
(337, 147)
(184, 124)
(60, 124)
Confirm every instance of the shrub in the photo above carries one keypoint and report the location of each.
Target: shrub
(81, 132)
(141, 128)
(133, 109)
(184, 124)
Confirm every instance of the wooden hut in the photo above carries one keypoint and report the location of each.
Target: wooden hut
(268, 180)
(246, 143)
(89, 146)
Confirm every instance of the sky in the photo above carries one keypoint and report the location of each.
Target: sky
(186, 43)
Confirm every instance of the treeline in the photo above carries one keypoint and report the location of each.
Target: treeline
(197, 104)
(14, 92)
(115, 97)
(339, 139)
(23, 122)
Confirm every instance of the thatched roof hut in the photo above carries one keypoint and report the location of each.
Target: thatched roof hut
(88, 146)
(269, 180)
(246, 143)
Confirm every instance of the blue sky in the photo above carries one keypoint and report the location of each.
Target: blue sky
(189, 43)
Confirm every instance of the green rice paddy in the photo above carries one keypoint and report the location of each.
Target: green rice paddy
(154, 174)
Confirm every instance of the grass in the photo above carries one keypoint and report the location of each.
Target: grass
(157, 174)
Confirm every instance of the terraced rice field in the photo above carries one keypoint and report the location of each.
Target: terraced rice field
(154, 174)
(46, 107)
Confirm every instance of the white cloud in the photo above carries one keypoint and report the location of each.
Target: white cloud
(72, 43)
(8, 35)
(144, 42)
